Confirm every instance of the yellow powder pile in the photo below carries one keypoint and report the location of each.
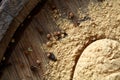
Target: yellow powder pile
(99, 61)
(104, 23)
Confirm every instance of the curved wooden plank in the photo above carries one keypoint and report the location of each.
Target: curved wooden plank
(12, 13)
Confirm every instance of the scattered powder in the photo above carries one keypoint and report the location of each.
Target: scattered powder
(104, 23)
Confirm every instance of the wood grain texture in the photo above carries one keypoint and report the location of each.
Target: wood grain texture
(10, 20)
(9, 9)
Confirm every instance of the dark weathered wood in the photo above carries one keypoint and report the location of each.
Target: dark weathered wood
(10, 20)
(9, 9)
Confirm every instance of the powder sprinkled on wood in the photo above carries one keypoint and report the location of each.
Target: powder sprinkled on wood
(102, 24)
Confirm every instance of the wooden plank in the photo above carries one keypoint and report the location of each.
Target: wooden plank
(8, 10)
(13, 7)
(8, 26)
(26, 10)
(7, 37)
(31, 39)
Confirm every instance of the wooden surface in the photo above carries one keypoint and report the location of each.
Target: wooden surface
(10, 20)
(34, 37)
